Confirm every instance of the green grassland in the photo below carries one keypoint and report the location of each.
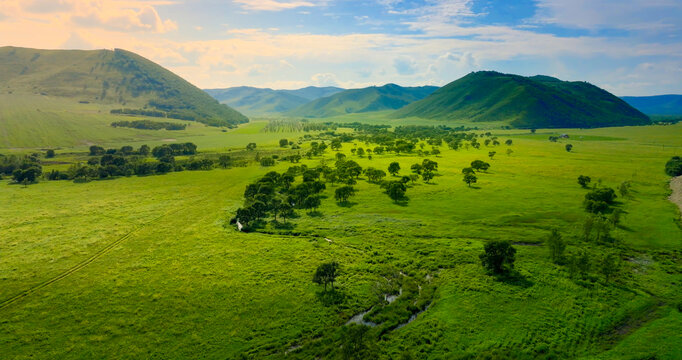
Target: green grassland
(148, 267)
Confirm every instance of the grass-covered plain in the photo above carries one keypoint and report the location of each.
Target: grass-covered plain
(181, 282)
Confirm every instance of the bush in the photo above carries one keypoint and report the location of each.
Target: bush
(674, 166)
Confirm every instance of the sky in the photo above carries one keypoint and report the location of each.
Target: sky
(628, 47)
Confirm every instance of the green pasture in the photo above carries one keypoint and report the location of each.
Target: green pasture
(180, 282)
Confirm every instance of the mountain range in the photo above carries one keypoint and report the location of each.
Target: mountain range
(263, 101)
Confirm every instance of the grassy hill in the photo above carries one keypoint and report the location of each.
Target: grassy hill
(115, 79)
(525, 102)
(369, 99)
(656, 105)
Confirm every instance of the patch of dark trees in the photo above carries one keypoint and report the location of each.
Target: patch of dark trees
(149, 125)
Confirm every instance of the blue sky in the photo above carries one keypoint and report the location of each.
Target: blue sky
(629, 47)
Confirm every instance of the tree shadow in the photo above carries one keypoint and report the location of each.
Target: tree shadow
(402, 202)
(315, 213)
(515, 278)
(283, 225)
(331, 297)
(346, 204)
(475, 187)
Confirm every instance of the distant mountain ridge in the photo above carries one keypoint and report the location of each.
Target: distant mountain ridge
(657, 104)
(115, 78)
(262, 101)
(387, 97)
(525, 102)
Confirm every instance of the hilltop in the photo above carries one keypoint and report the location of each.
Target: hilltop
(656, 105)
(259, 101)
(116, 79)
(368, 99)
(525, 102)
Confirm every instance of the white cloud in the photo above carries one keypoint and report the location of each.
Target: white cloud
(275, 5)
(326, 79)
(405, 65)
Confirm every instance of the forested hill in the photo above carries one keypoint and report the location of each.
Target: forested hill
(525, 102)
(117, 78)
(368, 99)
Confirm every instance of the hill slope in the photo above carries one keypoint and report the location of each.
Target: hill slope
(373, 98)
(259, 101)
(116, 79)
(525, 102)
(656, 105)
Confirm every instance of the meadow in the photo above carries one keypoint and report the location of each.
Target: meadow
(149, 267)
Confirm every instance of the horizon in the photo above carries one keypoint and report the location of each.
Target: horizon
(629, 49)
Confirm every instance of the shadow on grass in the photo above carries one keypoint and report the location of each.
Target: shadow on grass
(315, 213)
(283, 225)
(402, 202)
(474, 187)
(515, 278)
(331, 297)
(347, 204)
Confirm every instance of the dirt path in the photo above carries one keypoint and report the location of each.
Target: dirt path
(676, 186)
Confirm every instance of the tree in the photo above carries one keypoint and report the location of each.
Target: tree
(267, 161)
(509, 142)
(579, 264)
(326, 274)
(416, 168)
(427, 176)
(673, 167)
(144, 150)
(491, 154)
(96, 150)
(312, 202)
(224, 161)
(343, 193)
(509, 152)
(498, 257)
(49, 153)
(429, 165)
(569, 147)
(394, 168)
(480, 165)
(360, 152)
(532, 131)
(251, 146)
(470, 178)
(556, 246)
(396, 190)
(283, 142)
(584, 180)
(609, 266)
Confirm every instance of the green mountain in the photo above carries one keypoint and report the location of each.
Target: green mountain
(117, 79)
(525, 102)
(656, 105)
(313, 92)
(259, 101)
(373, 98)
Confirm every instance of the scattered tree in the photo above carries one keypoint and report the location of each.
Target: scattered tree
(491, 154)
(326, 274)
(609, 266)
(343, 193)
(569, 147)
(283, 142)
(556, 246)
(251, 146)
(498, 257)
(49, 153)
(394, 168)
(584, 180)
(480, 165)
(470, 178)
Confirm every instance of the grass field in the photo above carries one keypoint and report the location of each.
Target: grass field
(147, 267)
